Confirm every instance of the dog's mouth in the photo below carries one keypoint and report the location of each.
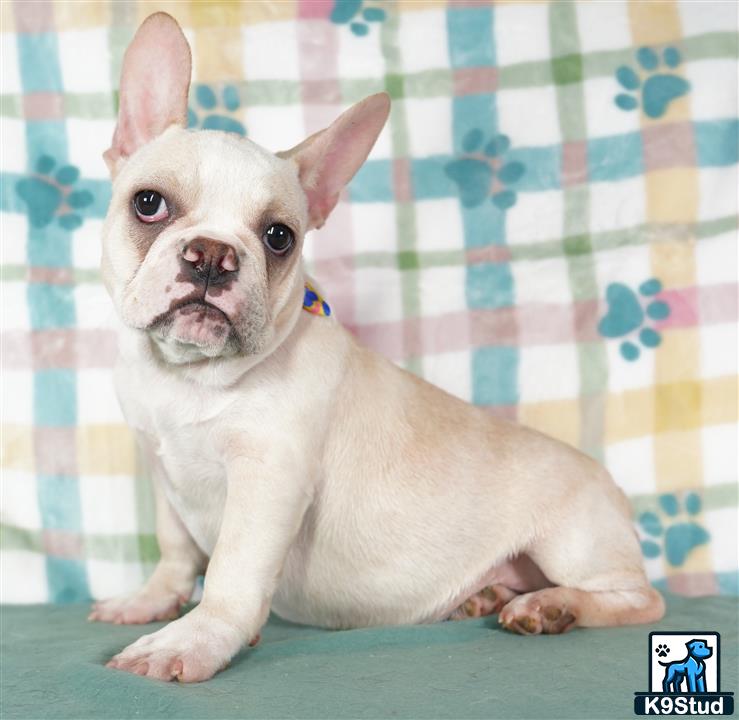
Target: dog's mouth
(200, 325)
(195, 323)
(203, 309)
(199, 308)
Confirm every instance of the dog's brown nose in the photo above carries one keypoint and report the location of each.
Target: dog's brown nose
(210, 260)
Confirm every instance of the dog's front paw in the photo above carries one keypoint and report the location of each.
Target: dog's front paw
(191, 649)
(537, 613)
(138, 609)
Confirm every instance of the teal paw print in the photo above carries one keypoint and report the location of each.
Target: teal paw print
(49, 196)
(626, 315)
(658, 90)
(206, 101)
(674, 537)
(346, 11)
(484, 169)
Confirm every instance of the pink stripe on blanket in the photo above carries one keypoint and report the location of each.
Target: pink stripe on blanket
(385, 338)
(693, 584)
(59, 348)
(315, 9)
(63, 543)
(718, 303)
(34, 17)
(683, 305)
(43, 106)
(55, 450)
(693, 306)
(489, 254)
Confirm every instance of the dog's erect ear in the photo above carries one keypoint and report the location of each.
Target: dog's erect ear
(328, 160)
(154, 84)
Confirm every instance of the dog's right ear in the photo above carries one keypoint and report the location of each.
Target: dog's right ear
(154, 84)
(328, 160)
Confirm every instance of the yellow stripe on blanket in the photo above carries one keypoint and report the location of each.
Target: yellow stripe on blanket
(16, 451)
(559, 418)
(80, 14)
(176, 8)
(105, 450)
(672, 197)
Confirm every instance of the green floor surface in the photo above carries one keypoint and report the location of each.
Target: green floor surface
(52, 667)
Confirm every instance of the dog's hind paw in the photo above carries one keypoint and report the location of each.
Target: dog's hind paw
(537, 613)
(488, 601)
(137, 609)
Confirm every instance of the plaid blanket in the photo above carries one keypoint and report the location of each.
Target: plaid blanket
(547, 227)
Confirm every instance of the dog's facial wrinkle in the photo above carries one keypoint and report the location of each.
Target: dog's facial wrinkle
(174, 192)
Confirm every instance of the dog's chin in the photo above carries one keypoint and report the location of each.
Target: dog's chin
(196, 331)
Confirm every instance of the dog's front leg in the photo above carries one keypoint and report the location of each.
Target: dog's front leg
(265, 504)
(180, 562)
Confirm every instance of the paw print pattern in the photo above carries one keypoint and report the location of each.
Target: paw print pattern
(626, 315)
(662, 650)
(484, 170)
(354, 13)
(658, 90)
(671, 535)
(49, 195)
(206, 102)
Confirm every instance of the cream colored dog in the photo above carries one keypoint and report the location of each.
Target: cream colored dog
(308, 474)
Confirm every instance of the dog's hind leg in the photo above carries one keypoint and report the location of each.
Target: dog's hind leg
(559, 609)
(594, 560)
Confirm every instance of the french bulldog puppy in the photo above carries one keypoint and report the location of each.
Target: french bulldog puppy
(309, 475)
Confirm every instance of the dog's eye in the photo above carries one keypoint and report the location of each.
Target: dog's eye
(150, 206)
(278, 238)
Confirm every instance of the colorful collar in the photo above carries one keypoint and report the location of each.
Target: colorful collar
(314, 303)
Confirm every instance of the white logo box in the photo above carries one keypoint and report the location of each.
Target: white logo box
(675, 643)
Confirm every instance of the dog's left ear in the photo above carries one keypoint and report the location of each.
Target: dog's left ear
(328, 160)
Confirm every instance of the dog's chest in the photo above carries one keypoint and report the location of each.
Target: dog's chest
(181, 428)
(194, 482)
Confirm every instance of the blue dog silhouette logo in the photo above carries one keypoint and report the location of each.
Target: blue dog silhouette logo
(684, 676)
(688, 675)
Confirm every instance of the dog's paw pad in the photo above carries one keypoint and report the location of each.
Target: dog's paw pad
(526, 625)
(488, 601)
(545, 611)
(556, 620)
